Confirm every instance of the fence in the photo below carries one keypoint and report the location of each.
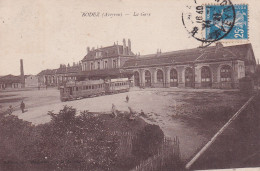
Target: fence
(125, 143)
(168, 156)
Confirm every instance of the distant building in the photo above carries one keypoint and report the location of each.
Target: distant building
(10, 82)
(56, 77)
(31, 81)
(14, 82)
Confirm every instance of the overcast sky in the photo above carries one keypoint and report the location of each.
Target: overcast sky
(46, 34)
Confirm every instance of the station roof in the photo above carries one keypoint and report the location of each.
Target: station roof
(211, 53)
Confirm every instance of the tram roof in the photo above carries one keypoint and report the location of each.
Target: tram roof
(79, 83)
(104, 72)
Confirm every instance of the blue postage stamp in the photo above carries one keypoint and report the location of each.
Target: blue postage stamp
(225, 17)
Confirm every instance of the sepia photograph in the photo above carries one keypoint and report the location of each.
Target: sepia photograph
(127, 85)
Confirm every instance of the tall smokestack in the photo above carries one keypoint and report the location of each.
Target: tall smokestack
(124, 47)
(129, 46)
(22, 73)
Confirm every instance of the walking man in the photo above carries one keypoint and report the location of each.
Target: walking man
(127, 98)
(142, 113)
(114, 112)
(10, 110)
(22, 106)
(132, 114)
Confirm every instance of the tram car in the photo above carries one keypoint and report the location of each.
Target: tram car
(91, 88)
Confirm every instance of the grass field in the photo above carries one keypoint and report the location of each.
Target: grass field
(194, 115)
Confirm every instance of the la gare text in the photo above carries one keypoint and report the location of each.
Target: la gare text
(107, 14)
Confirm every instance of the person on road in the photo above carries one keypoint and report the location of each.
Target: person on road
(114, 110)
(131, 114)
(10, 110)
(127, 98)
(142, 113)
(22, 106)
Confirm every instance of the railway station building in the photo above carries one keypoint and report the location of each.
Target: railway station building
(215, 66)
(210, 67)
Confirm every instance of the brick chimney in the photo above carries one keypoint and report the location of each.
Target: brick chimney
(219, 46)
(22, 73)
(129, 47)
(124, 47)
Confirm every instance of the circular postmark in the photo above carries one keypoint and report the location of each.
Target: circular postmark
(209, 20)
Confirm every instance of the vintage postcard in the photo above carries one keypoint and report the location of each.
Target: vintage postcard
(127, 85)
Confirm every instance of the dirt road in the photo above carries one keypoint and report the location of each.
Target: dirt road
(159, 105)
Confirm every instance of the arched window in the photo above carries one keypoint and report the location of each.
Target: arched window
(189, 77)
(105, 65)
(225, 73)
(147, 78)
(205, 77)
(114, 63)
(98, 65)
(159, 76)
(136, 79)
(92, 66)
(205, 74)
(173, 78)
(53, 79)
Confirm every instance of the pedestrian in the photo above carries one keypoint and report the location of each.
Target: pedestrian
(127, 98)
(131, 113)
(10, 110)
(142, 113)
(22, 106)
(114, 110)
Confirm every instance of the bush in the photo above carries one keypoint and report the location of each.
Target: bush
(83, 141)
(148, 142)
(71, 142)
(246, 84)
(68, 142)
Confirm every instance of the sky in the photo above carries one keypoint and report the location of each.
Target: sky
(46, 34)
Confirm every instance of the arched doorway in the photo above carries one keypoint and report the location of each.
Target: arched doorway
(226, 77)
(189, 78)
(136, 78)
(206, 80)
(173, 78)
(159, 76)
(147, 78)
(225, 73)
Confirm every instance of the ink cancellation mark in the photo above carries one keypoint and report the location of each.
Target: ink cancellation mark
(209, 23)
